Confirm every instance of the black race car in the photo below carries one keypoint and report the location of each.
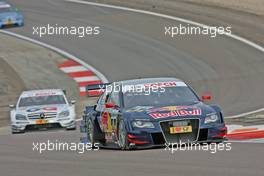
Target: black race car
(151, 112)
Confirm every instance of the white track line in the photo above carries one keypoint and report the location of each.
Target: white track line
(241, 39)
(245, 114)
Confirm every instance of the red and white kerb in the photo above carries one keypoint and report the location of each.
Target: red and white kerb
(81, 75)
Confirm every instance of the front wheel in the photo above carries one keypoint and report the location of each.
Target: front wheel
(122, 136)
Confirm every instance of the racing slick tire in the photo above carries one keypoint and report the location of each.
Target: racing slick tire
(122, 136)
(90, 132)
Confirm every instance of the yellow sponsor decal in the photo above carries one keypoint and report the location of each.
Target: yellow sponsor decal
(40, 122)
(9, 22)
(180, 129)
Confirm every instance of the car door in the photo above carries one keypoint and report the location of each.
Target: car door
(113, 112)
(108, 117)
(100, 109)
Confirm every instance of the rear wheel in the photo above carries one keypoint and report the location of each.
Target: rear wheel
(90, 132)
(122, 136)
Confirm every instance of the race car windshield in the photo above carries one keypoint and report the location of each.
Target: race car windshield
(5, 9)
(41, 100)
(171, 96)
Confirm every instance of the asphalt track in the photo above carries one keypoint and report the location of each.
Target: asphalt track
(133, 45)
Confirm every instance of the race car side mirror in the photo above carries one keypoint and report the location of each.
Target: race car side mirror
(73, 102)
(111, 105)
(11, 106)
(207, 97)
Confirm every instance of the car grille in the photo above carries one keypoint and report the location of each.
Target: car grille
(158, 138)
(46, 114)
(180, 137)
(203, 134)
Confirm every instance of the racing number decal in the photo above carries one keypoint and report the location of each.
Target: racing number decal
(106, 122)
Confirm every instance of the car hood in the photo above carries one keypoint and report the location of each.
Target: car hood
(160, 113)
(42, 109)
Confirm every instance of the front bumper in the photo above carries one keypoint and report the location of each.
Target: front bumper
(19, 126)
(5, 23)
(147, 139)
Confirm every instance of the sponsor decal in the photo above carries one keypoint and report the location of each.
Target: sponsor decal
(33, 109)
(50, 109)
(165, 84)
(177, 113)
(44, 109)
(139, 109)
(168, 108)
(44, 94)
(106, 122)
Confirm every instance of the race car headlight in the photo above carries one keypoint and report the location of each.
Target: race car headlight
(211, 119)
(20, 117)
(19, 17)
(64, 114)
(142, 124)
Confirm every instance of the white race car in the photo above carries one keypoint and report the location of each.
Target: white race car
(42, 109)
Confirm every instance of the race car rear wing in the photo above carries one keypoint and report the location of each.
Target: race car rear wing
(96, 89)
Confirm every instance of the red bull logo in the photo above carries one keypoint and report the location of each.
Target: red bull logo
(177, 113)
(168, 108)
